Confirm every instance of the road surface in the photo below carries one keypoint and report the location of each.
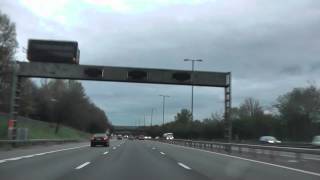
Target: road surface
(126, 159)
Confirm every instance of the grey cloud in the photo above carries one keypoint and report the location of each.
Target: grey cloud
(315, 67)
(269, 46)
(292, 70)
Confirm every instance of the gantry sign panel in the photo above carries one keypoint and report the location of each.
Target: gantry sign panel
(135, 75)
(122, 74)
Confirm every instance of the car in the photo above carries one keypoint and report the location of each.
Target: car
(147, 137)
(316, 141)
(168, 136)
(99, 139)
(269, 140)
(119, 137)
(131, 137)
(141, 137)
(157, 137)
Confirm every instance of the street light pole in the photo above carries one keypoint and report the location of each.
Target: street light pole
(192, 70)
(151, 117)
(163, 104)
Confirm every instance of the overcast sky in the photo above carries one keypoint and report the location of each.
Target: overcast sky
(270, 46)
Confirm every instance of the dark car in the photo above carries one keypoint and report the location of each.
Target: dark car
(99, 139)
(131, 137)
(141, 137)
(119, 137)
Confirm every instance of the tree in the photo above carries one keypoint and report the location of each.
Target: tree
(8, 45)
(298, 109)
(250, 108)
(250, 122)
(27, 101)
(184, 116)
(65, 102)
(8, 42)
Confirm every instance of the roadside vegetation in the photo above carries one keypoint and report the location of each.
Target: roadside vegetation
(294, 117)
(59, 102)
(42, 130)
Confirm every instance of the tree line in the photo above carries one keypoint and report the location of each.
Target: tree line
(55, 101)
(62, 102)
(296, 117)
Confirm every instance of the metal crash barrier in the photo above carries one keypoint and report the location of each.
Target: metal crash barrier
(271, 151)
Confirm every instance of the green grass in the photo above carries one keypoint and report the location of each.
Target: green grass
(3, 126)
(42, 130)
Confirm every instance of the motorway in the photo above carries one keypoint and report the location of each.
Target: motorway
(126, 159)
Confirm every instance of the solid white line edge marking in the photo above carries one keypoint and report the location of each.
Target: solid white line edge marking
(251, 160)
(82, 165)
(184, 166)
(39, 154)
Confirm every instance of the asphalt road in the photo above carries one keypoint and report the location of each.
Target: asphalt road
(136, 160)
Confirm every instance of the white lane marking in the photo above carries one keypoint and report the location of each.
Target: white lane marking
(114, 148)
(28, 156)
(316, 159)
(184, 166)
(119, 145)
(162, 153)
(106, 152)
(292, 161)
(39, 154)
(14, 159)
(82, 165)
(153, 148)
(251, 160)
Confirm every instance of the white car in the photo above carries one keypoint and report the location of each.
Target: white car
(269, 140)
(168, 136)
(316, 141)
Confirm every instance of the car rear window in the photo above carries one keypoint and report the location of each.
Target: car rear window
(99, 135)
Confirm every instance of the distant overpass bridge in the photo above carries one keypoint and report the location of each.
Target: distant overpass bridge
(128, 129)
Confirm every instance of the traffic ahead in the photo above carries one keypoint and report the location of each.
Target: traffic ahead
(127, 159)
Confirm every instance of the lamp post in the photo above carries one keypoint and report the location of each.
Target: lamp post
(163, 105)
(192, 70)
(151, 116)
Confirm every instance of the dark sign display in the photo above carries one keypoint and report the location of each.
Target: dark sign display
(53, 51)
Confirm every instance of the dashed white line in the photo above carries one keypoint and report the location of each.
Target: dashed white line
(114, 148)
(106, 152)
(82, 165)
(162, 153)
(292, 161)
(316, 159)
(153, 148)
(184, 166)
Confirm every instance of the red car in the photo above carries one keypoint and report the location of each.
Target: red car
(99, 139)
